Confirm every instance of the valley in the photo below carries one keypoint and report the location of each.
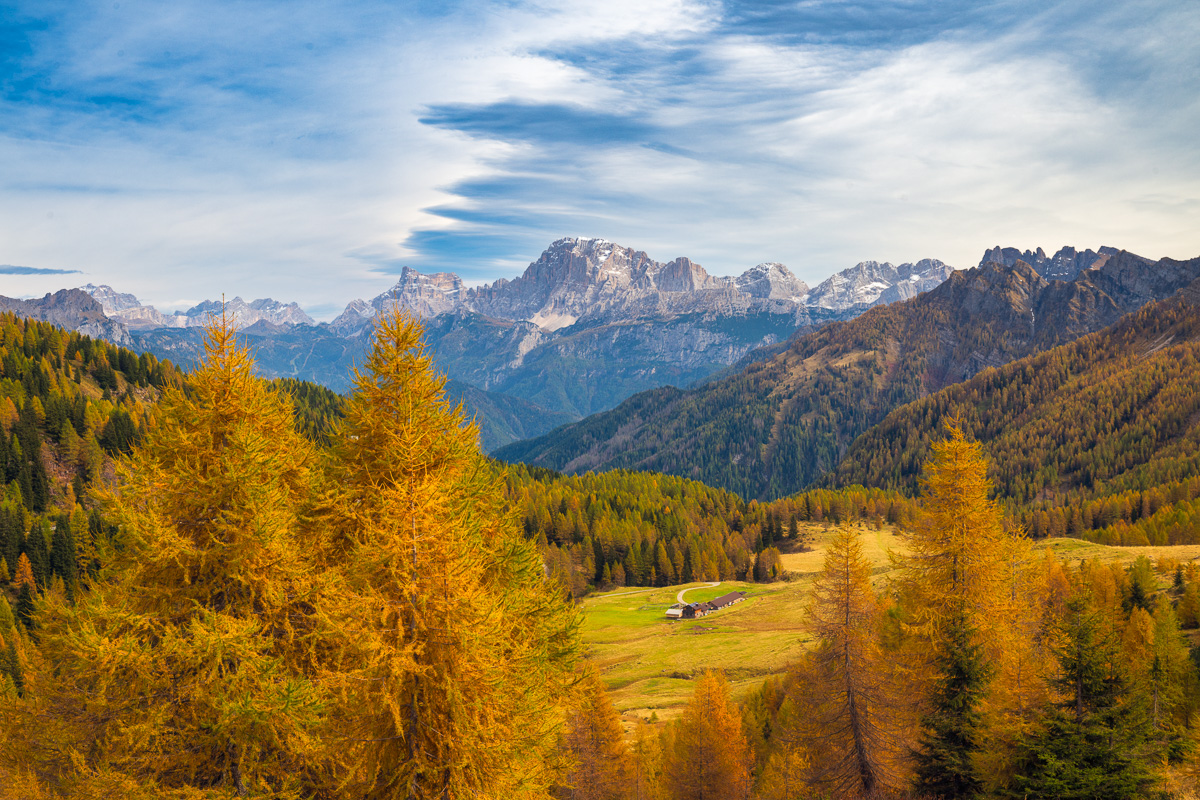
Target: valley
(578, 400)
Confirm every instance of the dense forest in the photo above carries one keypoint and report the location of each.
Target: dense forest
(68, 405)
(622, 528)
(1096, 439)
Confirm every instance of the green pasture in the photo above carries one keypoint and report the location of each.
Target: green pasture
(648, 661)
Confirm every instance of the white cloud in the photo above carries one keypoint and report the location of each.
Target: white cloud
(248, 163)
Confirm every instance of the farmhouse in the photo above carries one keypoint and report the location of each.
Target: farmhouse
(694, 610)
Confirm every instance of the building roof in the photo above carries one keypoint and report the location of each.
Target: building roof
(726, 599)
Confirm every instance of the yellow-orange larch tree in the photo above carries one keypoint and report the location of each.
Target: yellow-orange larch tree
(709, 757)
(461, 652)
(853, 722)
(595, 744)
(187, 668)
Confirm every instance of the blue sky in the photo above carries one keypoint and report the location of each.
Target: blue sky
(308, 150)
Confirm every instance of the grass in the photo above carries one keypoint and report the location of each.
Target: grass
(648, 662)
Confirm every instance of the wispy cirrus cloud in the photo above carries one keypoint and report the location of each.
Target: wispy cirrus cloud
(13, 269)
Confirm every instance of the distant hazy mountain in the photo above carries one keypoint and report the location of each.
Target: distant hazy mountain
(126, 309)
(591, 281)
(585, 326)
(782, 423)
(591, 322)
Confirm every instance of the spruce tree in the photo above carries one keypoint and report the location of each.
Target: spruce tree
(950, 729)
(36, 549)
(25, 607)
(1098, 741)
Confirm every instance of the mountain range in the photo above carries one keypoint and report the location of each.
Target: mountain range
(783, 423)
(782, 376)
(585, 326)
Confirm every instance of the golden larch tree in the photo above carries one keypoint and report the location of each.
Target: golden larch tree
(461, 651)
(957, 548)
(186, 667)
(709, 758)
(853, 724)
(595, 745)
(962, 564)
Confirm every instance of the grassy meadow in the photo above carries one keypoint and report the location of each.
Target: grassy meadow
(648, 662)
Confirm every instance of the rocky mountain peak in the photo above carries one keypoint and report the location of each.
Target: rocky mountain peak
(110, 299)
(426, 296)
(871, 283)
(1064, 265)
(73, 309)
(998, 290)
(772, 280)
(355, 319)
(246, 314)
(597, 280)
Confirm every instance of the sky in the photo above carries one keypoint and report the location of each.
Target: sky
(308, 151)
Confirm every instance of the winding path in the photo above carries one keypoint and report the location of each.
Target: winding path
(679, 597)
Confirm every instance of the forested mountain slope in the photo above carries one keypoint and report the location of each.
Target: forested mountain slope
(68, 403)
(781, 424)
(1083, 437)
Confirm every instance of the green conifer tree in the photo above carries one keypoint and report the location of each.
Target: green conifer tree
(1098, 741)
(949, 738)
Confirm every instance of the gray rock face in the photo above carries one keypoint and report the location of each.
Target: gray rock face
(771, 281)
(1062, 266)
(871, 283)
(244, 314)
(355, 320)
(111, 300)
(423, 295)
(73, 309)
(592, 281)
